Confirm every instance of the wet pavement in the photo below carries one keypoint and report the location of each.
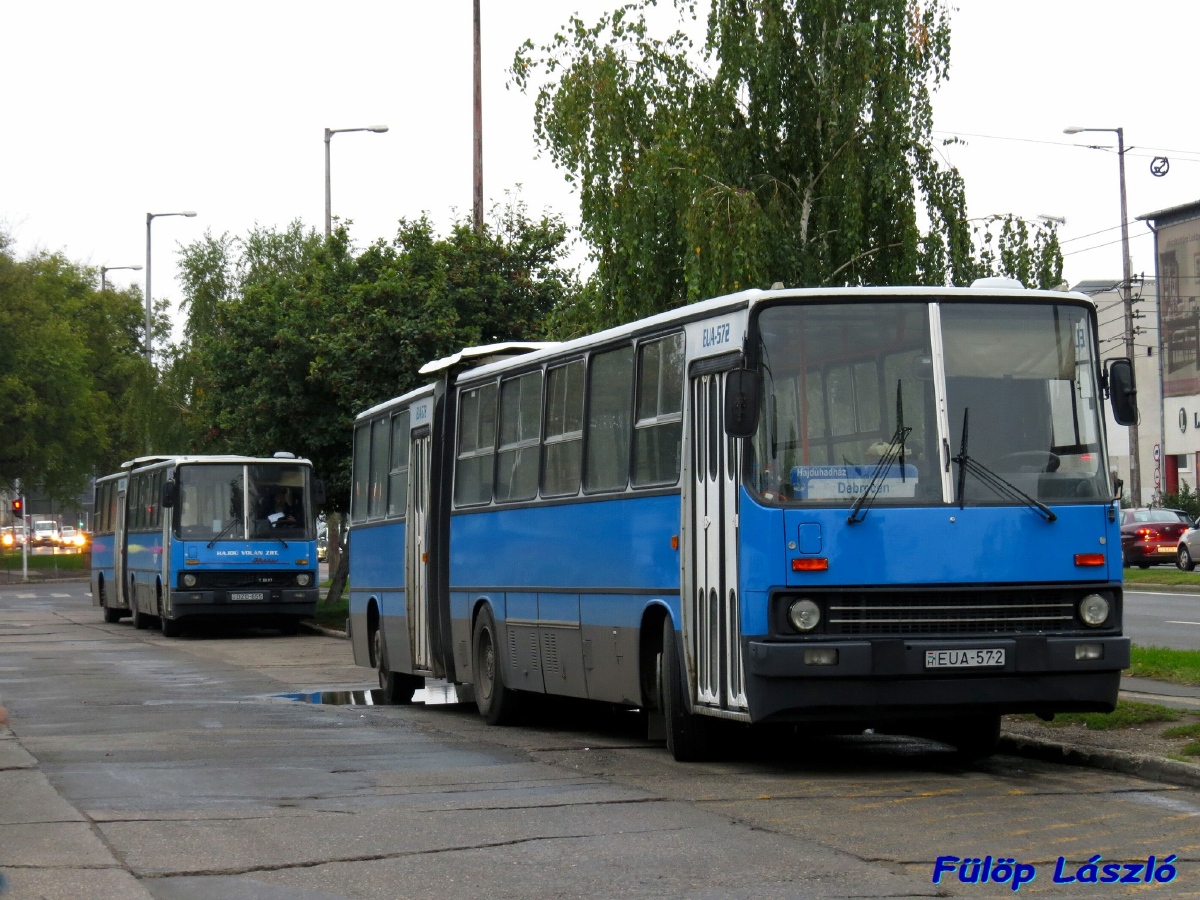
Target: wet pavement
(138, 766)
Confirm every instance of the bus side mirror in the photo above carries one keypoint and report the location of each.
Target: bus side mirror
(170, 493)
(1122, 393)
(318, 492)
(743, 396)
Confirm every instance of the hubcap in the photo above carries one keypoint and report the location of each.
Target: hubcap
(489, 662)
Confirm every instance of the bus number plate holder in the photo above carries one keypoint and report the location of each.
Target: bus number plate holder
(247, 597)
(959, 659)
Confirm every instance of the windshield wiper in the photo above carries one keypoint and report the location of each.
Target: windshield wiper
(894, 452)
(998, 484)
(224, 531)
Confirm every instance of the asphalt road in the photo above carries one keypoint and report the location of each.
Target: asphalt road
(1162, 619)
(147, 767)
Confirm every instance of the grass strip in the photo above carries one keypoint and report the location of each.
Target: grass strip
(1127, 714)
(1162, 575)
(64, 562)
(333, 615)
(1164, 664)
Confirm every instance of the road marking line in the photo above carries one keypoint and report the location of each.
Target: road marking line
(1182, 623)
(27, 596)
(60, 595)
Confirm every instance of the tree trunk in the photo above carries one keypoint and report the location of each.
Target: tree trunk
(339, 557)
(337, 583)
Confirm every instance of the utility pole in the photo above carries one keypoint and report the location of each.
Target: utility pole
(1135, 465)
(478, 121)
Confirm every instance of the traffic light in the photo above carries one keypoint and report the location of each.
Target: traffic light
(18, 507)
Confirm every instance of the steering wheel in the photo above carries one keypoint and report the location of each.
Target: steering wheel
(1026, 461)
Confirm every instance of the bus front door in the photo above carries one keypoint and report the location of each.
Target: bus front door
(712, 629)
(120, 587)
(417, 562)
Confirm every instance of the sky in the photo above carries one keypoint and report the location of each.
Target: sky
(116, 109)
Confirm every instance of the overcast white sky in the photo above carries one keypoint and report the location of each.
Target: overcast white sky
(120, 108)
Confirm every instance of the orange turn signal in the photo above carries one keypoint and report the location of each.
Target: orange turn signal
(1089, 559)
(674, 542)
(819, 564)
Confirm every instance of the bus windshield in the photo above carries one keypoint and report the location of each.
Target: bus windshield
(213, 499)
(847, 385)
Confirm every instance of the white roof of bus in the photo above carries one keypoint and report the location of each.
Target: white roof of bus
(396, 401)
(143, 462)
(507, 348)
(996, 288)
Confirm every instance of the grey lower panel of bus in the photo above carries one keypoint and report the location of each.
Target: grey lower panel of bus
(889, 679)
(562, 656)
(292, 602)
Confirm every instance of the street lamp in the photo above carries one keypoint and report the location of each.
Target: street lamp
(1135, 468)
(104, 269)
(330, 132)
(150, 217)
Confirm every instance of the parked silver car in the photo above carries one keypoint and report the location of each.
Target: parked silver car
(1188, 553)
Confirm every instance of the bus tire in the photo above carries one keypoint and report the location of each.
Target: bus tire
(111, 615)
(976, 737)
(396, 687)
(141, 621)
(687, 733)
(170, 627)
(497, 702)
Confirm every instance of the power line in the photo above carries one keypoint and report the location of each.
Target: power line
(1186, 155)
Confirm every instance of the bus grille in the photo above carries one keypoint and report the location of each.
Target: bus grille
(244, 579)
(969, 612)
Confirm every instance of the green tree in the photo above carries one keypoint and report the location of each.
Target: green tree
(69, 363)
(795, 145)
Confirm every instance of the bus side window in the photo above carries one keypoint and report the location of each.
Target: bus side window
(362, 466)
(658, 429)
(380, 446)
(564, 430)
(476, 445)
(520, 414)
(398, 476)
(609, 388)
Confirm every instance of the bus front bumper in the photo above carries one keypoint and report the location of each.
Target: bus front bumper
(298, 602)
(894, 678)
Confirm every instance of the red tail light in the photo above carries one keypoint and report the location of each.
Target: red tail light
(1147, 532)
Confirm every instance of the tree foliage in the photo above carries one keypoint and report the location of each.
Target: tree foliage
(795, 146)
(71, 366)
(293, 335)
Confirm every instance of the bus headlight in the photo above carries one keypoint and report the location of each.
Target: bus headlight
(1093, 609)
(303, 579)
(189, 580)
(804, 615)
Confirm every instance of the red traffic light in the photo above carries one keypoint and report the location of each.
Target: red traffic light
(18, 507)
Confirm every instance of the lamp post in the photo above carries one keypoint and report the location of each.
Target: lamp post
(1135, 468)
(150, 217)
(329, 133)
(106, 269)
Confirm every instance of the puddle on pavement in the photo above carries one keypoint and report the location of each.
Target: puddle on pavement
(435, 693)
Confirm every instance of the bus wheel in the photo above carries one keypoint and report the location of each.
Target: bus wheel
(141, 621)
(976, 737)
(397, 687)
(687, 734)
(170, 627)
(497, 703)
(111, 615)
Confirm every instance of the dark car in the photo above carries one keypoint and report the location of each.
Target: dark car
(1150, 537)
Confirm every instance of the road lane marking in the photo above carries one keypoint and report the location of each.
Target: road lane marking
(1182, 623)
(60, 595)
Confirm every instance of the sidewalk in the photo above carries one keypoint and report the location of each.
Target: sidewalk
(1141, 751)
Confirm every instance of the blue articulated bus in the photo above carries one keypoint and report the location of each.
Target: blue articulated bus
(183, 538)
(846, 508)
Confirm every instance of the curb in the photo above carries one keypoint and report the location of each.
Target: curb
(1153, 768)
(1151, 587)
(313, 628)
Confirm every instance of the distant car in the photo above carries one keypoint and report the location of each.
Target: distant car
(1152, 537)
(70, 538)
(322, 548)
(45, 534)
